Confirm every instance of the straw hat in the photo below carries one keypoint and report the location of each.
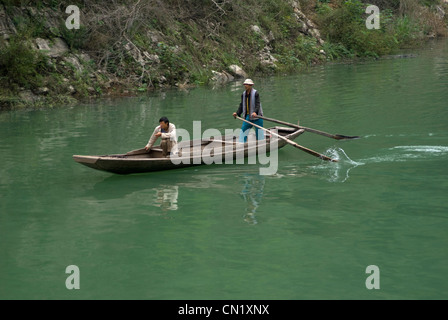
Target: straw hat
(248, 81)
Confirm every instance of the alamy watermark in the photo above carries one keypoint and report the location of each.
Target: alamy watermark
(211, 147)
(373, 21)
(73, 280)
(73, 21)
(373, 280)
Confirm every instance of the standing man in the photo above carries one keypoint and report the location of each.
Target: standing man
(167, 131)
(250, 107)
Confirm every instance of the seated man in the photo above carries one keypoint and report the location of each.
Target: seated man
(167, 131)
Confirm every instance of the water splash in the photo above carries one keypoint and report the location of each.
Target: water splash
(337, 171)
(340, 155)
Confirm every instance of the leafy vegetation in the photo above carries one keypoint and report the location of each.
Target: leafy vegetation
(20, 65)
(400, 26)
(151, 44)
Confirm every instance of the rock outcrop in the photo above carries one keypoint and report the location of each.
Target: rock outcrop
(307, 26)
(237, 72)
(7, 28)
(264, 56)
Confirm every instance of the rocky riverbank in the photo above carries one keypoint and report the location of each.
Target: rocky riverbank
(145, 45)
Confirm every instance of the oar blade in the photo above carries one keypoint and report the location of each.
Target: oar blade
(342, 137)
(314, 153)
(329, 159)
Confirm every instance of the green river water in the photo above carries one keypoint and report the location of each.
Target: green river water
(309, 231)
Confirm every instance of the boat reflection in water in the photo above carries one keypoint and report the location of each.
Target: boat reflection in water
(115, 192)
(252, 193)
(158, 198)
(166, 198)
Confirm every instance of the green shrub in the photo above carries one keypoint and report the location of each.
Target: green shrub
(20, 65)
(334, 51)
(346, 26)
(405, 31)
(429, 3)
(75, 38)
(306, 49)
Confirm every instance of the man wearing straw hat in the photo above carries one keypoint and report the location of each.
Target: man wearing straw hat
(250, 107)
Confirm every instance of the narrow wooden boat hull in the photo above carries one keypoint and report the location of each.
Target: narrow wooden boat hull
(140, 161)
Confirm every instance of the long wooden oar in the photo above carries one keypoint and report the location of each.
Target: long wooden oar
(329, 135)
(298, 146)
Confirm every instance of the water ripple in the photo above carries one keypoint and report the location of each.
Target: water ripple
(423, 149)
(406, 153)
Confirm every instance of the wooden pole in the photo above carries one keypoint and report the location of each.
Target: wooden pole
(312, 152)
(329, 135)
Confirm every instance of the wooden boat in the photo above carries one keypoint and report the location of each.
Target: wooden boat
(140, 160)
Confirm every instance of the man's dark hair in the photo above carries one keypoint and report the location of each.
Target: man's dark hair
(164, 119)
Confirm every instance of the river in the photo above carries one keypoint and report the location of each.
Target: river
(309, 231)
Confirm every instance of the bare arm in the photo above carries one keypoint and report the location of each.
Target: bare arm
(153, 138)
